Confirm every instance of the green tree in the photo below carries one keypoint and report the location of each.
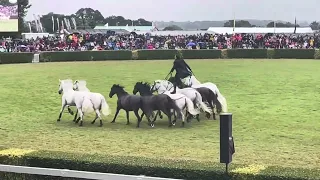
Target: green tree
(89, 18)
(240, 23)
(121, 21)
(280, 24)
(23, 9)
(315, 25)
(172, 28)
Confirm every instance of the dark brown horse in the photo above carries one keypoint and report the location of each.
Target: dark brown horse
(126, 102)
(160, 102)
(211, 98)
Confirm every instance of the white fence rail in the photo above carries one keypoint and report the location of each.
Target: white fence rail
(73, 173)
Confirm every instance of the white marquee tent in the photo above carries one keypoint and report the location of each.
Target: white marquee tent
(262, 30)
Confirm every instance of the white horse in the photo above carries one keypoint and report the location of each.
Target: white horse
(182, 101)
(194, 83)
(98, 100)
(191, 93)
(82, 100)
(72, 98)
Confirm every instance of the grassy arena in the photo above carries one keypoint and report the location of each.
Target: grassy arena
(274, 102)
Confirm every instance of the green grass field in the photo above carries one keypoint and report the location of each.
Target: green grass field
(10, 25)
(275, 105)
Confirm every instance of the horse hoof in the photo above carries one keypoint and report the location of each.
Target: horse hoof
(173, 123)
(112, 122)
(81, 124)
(58, 120)
(182, 125)
(100, 125)
(127, 123)
(152, 125)
(92, 122)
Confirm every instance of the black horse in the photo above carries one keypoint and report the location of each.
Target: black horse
(207, 96)
(160, 102)
(211, 98)
(126, 102)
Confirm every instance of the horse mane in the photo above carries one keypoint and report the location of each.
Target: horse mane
(147, 85)
(144, 86)
(118, 86)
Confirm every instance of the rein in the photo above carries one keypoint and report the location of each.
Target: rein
(168, 84)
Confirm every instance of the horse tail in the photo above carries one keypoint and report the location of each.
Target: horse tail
(223, 102)
(173, 105)
(105, 109)
(203, 105)
(190, 107)
(87, 105)
(213, 98)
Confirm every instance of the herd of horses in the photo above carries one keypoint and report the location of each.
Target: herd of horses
(185, 104)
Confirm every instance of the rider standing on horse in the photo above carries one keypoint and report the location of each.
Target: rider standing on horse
(183, 70)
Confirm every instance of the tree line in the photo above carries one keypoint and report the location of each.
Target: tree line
(85, 18)
(241, 23)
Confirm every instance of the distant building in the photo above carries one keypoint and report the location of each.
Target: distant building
(175, 33)
(261, 30)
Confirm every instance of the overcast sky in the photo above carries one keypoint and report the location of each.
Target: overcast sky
(187, 10)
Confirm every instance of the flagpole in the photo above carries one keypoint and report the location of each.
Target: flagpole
(58, 25)
(234, 21)
(295, 25)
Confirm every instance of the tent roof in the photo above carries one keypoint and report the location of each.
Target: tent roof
(263, 30)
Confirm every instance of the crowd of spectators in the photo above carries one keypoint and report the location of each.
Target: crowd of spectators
(133, 41)
(8, 11)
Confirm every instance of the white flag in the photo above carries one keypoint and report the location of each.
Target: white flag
(36, 22)
(69, 24)
(65, 22)
(58, 23)
(52, 23)
(29, 23)
(74, 23)
(40, 24)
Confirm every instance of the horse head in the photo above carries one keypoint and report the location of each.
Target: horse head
(64, 85)
(137, 87)
(116, 89)
(79, 83)
(143, 88)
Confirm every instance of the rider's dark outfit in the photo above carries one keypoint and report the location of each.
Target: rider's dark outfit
(183, 70)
